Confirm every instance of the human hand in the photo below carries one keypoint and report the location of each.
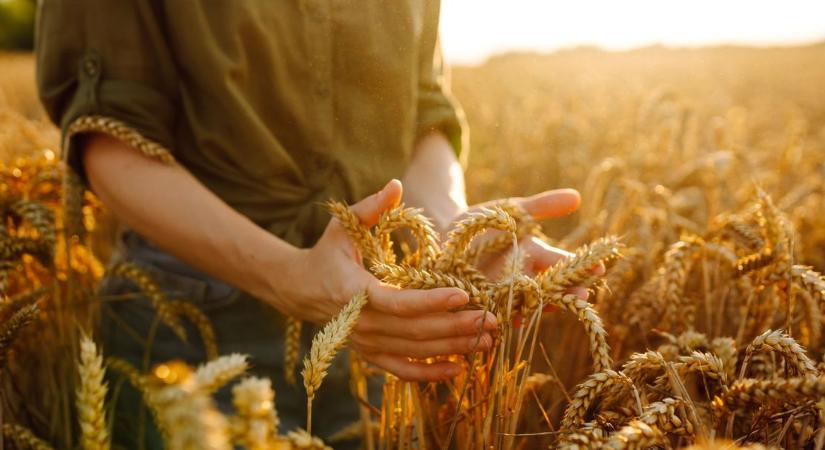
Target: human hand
(397, 324)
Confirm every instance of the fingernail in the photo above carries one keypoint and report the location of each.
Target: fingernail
(457, 300)
(479, 343)
(487, 322)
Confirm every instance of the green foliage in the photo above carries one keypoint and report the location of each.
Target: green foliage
(17, 24)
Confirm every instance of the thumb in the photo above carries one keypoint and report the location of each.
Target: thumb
(369, 209)
(549, 204)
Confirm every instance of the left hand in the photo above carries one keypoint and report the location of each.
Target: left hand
(538, 254)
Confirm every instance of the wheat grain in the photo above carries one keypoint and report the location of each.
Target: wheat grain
(663, 415)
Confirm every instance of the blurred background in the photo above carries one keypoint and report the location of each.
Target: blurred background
(472, 30)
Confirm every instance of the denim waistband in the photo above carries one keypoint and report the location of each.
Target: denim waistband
(135, 248)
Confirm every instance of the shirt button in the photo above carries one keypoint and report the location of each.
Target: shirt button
(91, 66)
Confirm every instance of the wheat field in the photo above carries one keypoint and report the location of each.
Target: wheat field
(702, 173)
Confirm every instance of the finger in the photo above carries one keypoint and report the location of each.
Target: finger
(549, 204)
(580, 292)
(414, 302)
(373, 343)
(407, 370)
(543, 255)
(427, 327)
(370, 208)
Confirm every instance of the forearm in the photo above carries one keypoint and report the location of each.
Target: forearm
(167, 205)
(434, 180)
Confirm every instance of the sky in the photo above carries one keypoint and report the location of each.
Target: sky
(472, 30)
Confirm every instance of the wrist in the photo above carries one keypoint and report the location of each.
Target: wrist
(275, 272)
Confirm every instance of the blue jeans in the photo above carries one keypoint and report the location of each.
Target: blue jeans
(242, 325)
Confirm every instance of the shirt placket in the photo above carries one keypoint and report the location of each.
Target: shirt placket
(319, 28)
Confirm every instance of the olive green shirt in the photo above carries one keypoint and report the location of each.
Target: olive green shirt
(274, 105)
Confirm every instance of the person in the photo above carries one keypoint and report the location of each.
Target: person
(215, 130)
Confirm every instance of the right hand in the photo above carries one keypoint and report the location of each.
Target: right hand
(397, 324)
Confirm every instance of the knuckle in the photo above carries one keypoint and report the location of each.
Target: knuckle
(416, 331)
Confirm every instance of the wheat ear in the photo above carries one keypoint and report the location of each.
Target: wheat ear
(325, 345)
(201, 321)
(465, 230)
(578, 269)
(588, 316)
(595, 386)
(186, 411)
(12, 327)
(148, 287)
(779, 342)
(292, 349)
(214, 374)
(636, 435)
(360, 236)
(663, 415)
(256, 423)
(91, 395)
(303, 440)
(23, 438)
(421, 227)
(750, 391)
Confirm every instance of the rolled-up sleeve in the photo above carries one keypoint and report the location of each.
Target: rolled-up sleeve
(104, 66)
(437, 109)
